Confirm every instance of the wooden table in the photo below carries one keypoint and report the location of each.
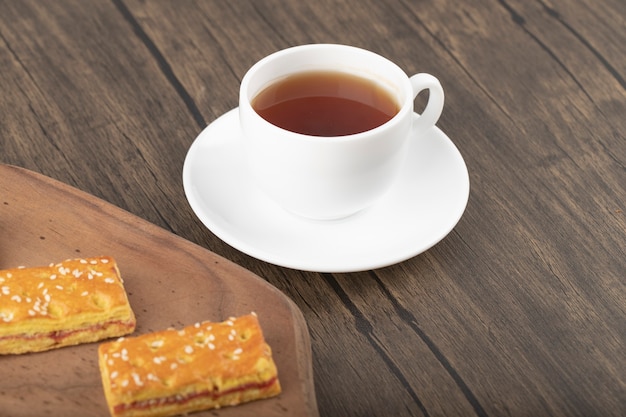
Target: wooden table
(520, 311)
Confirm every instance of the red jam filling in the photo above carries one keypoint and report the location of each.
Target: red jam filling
(59, 335)
(180, 399)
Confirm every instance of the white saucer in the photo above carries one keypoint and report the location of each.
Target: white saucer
(423, 206)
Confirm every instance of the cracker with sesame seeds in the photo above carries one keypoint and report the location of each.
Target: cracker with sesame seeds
(202, 366)
(67, 303)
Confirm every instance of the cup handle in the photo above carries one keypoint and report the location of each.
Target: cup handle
(434, 107)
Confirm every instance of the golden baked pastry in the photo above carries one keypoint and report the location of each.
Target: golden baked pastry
(71, 302)
(170, 372)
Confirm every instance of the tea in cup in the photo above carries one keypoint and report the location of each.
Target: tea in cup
(326, 127)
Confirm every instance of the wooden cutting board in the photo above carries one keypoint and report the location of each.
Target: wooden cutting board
(171, 282)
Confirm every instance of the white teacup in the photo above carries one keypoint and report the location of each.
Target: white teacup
(332, 177)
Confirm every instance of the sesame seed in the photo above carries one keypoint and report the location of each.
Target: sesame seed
(124, 383)
(109, 280)
(137, 379)
(104, 261)
(110, 362)
(53, 277)
(229, 322)
(156, 344)
(5, 290)
(188, 350)
(40, 286)
(31, 313)
(238, 351)
(59, 287)
(93, 262)
(211, 346)
(120, 339)
(114, 374)
(6, 317)
(77, 273)
(28, 299)
(16, 298)
(253, 313)
(159, 359)
(84, 293)
(89, 275)
(231, 337)
(83, 261)
(197, 325)
(173, 366)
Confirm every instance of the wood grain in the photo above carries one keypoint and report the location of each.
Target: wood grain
(170, 283)
(521, 310)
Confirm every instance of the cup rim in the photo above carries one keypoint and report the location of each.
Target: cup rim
(405, 107)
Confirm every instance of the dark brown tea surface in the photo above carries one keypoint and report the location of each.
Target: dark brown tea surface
(320, 103)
